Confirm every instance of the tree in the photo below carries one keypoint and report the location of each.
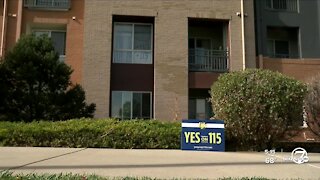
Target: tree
(35, 84)
(257, 106)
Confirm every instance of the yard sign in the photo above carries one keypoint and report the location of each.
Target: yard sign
(202, 135)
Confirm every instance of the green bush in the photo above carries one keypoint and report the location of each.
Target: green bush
(106, 133)
(257, 106)
(312, 104)
(35, 84)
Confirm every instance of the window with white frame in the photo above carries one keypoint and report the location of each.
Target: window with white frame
(278, 48)
(132, 43)
(283, 5)
(58, 39)
(131, 105)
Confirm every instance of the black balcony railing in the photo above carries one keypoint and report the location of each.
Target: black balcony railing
(208, 60)
(283, 5)
(48, 4)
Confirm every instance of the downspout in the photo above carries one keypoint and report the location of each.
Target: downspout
(242, 36)
(19, 20)
(4, 22)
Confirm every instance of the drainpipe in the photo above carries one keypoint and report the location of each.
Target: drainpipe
(4, 22)
(242, 36)
(19, 20)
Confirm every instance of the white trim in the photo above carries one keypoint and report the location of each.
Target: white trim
(243, 36)
(207, 125)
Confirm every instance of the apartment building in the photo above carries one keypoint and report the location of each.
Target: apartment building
(62, 20)
(288, 36)
(157, 59)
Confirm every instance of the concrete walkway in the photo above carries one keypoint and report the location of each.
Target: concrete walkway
(154, 163)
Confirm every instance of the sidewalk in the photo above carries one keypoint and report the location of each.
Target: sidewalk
(154, 163)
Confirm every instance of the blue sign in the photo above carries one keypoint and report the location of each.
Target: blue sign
(202, 135)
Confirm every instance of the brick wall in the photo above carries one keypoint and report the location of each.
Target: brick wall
(170, 47)
(47, 19)
(301, 69)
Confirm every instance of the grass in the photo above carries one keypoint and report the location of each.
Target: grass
(6, 175)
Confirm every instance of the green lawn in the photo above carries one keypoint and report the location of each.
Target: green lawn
(5, 175)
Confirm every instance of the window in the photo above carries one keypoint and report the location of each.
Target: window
(131, 105)
(278, 48)
(200, 43)
(284, 5)
(58, 38)
(132, 43)
(200, 108)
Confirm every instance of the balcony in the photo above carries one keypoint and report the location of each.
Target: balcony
(282, 5)
(48, 4)
(208, 60)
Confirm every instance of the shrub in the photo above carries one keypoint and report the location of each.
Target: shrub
(103, 133)
(257, 106)
(35, 85)
(312, 104)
